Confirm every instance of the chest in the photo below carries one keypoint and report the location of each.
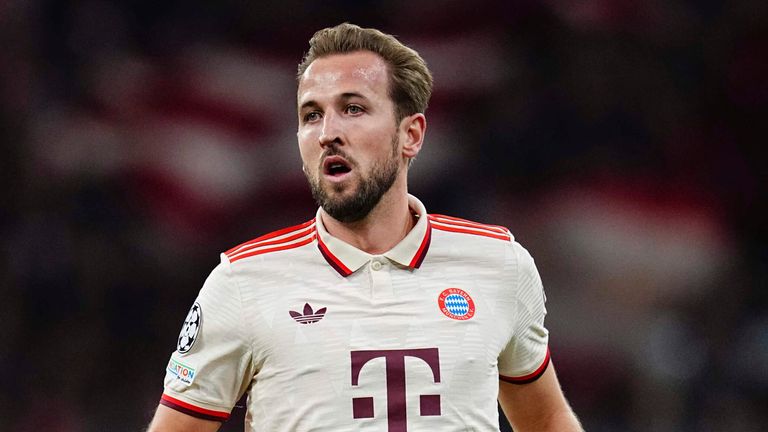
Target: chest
(315, 317)
(383, 343)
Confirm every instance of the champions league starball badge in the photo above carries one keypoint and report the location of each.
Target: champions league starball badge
(189, 330)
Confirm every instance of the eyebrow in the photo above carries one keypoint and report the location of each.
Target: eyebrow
(344, 97)
(350, 95)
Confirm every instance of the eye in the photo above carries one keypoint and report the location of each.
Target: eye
(354, 109)
(311, 116)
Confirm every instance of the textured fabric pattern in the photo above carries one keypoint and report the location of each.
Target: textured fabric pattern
(320, 348)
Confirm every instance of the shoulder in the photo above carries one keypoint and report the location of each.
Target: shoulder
(468, 229)
(281, 240)
(479, 243)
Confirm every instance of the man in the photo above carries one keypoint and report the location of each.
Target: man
(374, 315)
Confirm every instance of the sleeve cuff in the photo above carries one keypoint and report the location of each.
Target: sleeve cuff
(194, 411)
(531, 377)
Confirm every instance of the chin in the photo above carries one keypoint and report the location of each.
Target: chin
(349, 186)
(340, 193)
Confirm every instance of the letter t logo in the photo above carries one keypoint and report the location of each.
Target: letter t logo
(362, 407)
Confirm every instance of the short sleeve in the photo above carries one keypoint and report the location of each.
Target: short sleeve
(526, 356)
(211, 367)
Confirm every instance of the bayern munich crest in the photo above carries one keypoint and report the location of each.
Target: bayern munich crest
(189, 330)
(455, 303)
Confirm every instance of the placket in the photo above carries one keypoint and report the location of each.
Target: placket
(380, 271)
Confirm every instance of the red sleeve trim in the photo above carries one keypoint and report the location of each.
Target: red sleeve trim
(192, 410)
(531, 377)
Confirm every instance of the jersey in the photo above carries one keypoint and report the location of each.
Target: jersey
(325, 337)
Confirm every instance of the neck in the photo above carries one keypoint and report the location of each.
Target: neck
(384, 227)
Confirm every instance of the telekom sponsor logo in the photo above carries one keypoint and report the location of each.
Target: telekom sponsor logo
(429, 405)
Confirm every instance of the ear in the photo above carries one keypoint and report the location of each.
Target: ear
(413, 128)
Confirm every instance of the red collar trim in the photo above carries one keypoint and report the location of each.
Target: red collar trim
(347, 259)
(422, 252)
(332, 260)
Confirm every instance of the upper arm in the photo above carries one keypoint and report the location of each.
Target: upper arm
(212, 367)
(170, 420)
(526, 351)
(529, 392)
(538, 405)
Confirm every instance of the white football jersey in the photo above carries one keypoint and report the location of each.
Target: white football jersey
(325, 337)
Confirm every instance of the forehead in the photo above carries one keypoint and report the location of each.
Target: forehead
(359, 72)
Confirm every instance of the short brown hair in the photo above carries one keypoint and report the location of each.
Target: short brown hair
(410, 82)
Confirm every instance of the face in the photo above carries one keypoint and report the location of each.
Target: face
(348, 137)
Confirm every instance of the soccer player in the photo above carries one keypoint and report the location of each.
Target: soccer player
(374, 315)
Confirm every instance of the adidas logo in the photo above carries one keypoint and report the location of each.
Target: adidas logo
(309, 316)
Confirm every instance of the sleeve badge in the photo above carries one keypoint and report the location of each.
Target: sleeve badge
(190, 329)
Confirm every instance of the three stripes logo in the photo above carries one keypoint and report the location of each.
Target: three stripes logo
(308, 316)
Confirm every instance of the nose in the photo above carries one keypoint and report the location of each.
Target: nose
(331, 132)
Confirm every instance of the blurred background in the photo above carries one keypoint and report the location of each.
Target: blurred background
(618, 140)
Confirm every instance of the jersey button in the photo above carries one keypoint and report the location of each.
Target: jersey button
(376, 265)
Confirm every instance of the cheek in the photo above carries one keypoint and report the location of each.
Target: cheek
(306, 149)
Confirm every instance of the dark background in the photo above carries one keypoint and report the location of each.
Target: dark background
(620, 142)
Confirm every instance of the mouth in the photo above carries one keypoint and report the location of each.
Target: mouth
(336, 167)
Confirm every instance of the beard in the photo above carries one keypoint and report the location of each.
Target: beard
(357, 205)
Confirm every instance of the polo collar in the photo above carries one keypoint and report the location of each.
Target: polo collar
(347, 259)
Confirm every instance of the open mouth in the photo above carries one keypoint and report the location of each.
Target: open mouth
(336, 166)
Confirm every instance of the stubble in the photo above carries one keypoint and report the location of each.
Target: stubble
(354, 207)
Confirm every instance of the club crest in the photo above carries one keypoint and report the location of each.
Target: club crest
(456, 304)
